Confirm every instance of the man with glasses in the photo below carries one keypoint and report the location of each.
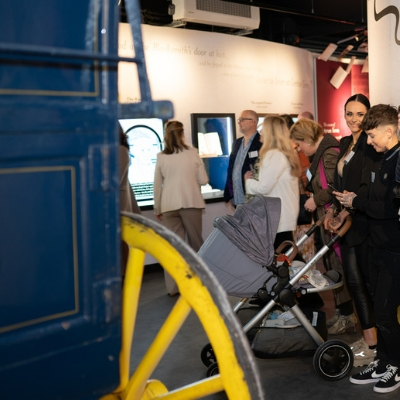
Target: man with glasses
(243, 156)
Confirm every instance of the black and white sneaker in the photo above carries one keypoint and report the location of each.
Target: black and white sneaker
(368, 375)
(390, 380)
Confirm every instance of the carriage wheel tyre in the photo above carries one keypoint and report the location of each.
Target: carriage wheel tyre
(237, 372)
(207, 355)
(333, 360)
(212, 370)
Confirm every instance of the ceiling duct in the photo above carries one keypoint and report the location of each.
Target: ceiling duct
(218, 13)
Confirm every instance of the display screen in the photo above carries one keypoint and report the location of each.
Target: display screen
(145, 138)
(213, 135)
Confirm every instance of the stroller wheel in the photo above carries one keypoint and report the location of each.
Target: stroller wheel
(207, 355)
(333, 360)
(212, 370)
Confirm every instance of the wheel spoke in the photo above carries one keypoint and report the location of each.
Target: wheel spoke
(199, 291)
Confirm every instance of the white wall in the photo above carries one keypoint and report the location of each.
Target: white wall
(383, 52)
(202, 72)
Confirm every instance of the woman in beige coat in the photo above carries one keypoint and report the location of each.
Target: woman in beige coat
(178, 201)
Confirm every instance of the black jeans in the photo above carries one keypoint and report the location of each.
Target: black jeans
(385, 284)
(356, 271)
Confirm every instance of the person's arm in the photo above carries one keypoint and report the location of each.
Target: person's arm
(202, 177)
(228, 190)
(329, 161)
(369, 163)
(381, 183)
(377, 209)
(271, 168)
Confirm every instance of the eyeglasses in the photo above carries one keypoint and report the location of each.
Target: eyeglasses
(244, 119)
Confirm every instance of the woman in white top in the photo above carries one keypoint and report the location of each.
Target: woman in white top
(178, 201)
(279, 172)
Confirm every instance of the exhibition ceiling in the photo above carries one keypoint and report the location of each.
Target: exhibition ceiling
(307, 24)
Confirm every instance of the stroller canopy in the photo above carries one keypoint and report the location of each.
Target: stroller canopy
(253, 227)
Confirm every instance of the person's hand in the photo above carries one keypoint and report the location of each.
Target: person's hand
(345, 198)
(338, 221)
(310, 205)
(328, 219)
(248, 175)
(159, 217)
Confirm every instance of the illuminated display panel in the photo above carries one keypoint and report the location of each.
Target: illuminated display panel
(213, 135)
(145, 138)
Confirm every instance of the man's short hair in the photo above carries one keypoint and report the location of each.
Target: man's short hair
(253, 114)
(306, 114)
(381, 114)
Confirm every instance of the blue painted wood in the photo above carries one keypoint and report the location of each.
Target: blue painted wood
(60, 286)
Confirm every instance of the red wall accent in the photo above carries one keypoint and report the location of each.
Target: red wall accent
(359, 81)
(330, 101)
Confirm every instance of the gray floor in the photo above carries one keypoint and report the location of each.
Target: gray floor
(181, 365)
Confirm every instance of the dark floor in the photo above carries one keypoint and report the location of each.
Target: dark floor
(292, 378)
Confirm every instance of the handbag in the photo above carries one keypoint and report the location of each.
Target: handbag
(305, 217)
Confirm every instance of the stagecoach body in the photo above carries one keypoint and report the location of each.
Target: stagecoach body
(60, 285)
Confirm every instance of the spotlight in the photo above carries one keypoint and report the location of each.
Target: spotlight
(293, 40)
(360, 38)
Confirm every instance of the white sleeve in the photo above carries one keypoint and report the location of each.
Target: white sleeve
(271, 168)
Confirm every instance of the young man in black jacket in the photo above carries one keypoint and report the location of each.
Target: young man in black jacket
(380, 124)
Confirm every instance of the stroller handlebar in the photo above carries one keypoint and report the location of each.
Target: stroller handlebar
(343, 228)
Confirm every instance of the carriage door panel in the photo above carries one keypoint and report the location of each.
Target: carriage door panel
(60, 281)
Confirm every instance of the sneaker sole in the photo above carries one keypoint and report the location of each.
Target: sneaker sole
(364, 381)
(386, 390)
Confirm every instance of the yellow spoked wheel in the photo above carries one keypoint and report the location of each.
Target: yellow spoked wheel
(199, 291)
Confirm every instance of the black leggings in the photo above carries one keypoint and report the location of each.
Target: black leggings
(355, 266)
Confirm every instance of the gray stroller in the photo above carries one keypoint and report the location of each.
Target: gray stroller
(240, 252)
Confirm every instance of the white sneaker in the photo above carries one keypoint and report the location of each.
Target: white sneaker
(390, 381)
(332, 321)
(363, 355)
(369, 375)
(345, 323)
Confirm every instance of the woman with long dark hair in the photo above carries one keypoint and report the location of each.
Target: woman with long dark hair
(356, 158)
